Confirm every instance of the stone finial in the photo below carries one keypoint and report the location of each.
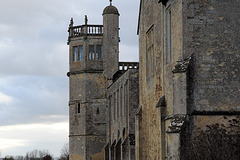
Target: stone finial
(86, 19)
(71, 22)
(110, 2)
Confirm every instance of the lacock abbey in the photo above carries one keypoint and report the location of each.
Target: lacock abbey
(180, 102)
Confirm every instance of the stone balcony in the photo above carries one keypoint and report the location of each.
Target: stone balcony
(76, 31)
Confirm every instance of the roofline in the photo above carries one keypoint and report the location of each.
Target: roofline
(140, 8)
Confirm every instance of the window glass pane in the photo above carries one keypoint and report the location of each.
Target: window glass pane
(75, 53)
(81, 53)
(99, 52)
(79, 108)
(168, 37)
(91, 52)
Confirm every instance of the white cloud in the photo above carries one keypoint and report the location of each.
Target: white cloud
(34, 62)
(6, 144)
(33, 136)
(5, 99)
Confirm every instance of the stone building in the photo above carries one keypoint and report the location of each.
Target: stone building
(103, 92)
(123, 104)
(189, 80)
(183, 101)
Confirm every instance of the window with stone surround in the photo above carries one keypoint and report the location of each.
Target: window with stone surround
(118, 103)
(95, 52)
(115, 105)
(168, 35)
(78, 53)
(121, 101)
(150, 52)
(98, 52)
(79, 108)
(98, 110)
(126, 97)
(91, 52)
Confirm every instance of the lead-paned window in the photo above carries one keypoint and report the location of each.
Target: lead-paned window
(168, 36)
(150, 52)
(81, 53)
(91, 52)
(78, 53)
(75, 53)
(98, 52)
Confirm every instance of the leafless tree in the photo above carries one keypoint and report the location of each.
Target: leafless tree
(38, 155)
(64, 152)
(19, 158)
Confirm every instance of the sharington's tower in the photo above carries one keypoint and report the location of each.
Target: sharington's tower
(93, 59)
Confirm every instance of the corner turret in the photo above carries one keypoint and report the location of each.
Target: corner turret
(110, 40)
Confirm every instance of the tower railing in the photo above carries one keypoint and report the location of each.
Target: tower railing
(123, 66)
(75, 31)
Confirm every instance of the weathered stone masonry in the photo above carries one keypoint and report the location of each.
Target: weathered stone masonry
(97, 81)
(195, 89)
(181, 102)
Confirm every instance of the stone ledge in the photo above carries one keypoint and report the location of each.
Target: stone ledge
(181, 66)
(84, 71)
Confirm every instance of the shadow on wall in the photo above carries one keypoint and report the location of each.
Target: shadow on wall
(215, 142)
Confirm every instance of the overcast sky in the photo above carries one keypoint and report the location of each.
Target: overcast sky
(34, 63)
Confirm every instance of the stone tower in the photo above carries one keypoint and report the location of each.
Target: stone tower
(110, 40)
(93, 59)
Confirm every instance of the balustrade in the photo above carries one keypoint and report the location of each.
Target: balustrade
(123, 66)
(75, 31)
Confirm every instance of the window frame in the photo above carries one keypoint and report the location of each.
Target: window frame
(150, 52)
(77, 54)
(95, 56)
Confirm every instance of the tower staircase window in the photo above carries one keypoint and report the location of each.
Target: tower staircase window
(79, 108)
(98, 111)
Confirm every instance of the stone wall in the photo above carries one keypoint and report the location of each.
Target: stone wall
(211, 36)
(123, 100)
(195, 73)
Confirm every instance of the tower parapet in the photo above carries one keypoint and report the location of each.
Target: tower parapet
(85, 30)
